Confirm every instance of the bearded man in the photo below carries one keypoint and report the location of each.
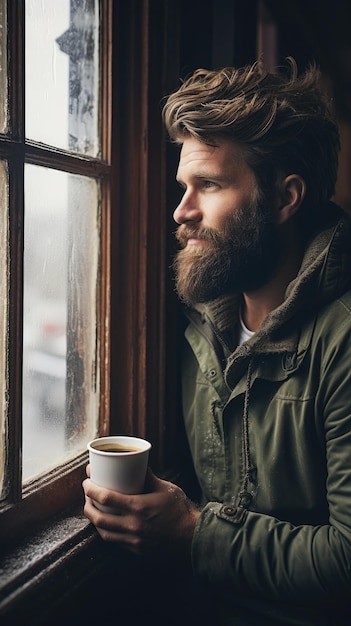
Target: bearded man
(264, 272)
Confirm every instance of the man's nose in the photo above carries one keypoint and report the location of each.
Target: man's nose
(187, 210)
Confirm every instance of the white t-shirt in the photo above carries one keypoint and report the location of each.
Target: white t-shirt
(244, 333)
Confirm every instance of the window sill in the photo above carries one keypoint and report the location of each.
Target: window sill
(40, 575)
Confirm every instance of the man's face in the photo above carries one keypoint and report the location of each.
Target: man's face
(229, 239)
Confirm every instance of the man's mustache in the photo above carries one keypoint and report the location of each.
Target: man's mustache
(187, 231)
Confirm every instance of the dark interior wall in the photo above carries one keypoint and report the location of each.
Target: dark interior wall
(216, 33)
(319, 30)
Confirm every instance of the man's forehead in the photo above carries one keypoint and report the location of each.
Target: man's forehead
(195, 153)
(192, 144)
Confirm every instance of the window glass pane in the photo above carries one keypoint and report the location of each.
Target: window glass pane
(3, 319)
(60, 373)
(3, 67)
(62, 107)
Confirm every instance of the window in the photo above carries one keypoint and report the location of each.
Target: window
(55, 180)
(102, 157)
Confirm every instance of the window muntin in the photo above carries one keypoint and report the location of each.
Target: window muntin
(60, 385)
(62, 71)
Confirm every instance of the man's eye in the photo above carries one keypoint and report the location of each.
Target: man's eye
(209, 183)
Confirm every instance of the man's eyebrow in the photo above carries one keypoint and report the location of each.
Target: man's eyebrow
(207, 176)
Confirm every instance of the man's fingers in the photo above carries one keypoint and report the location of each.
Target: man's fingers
(106, 497)
(119, 529)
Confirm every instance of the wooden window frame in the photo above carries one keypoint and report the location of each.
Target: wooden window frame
(136, 395)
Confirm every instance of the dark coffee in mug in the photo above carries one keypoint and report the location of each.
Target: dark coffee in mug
(115, 447)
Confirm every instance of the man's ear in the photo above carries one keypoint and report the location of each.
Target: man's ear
(290, 197)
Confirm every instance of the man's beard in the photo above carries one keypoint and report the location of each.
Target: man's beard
(241, 259)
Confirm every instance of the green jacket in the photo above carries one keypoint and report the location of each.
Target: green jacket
(269, 428)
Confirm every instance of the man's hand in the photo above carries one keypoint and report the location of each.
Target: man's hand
(160, 522)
